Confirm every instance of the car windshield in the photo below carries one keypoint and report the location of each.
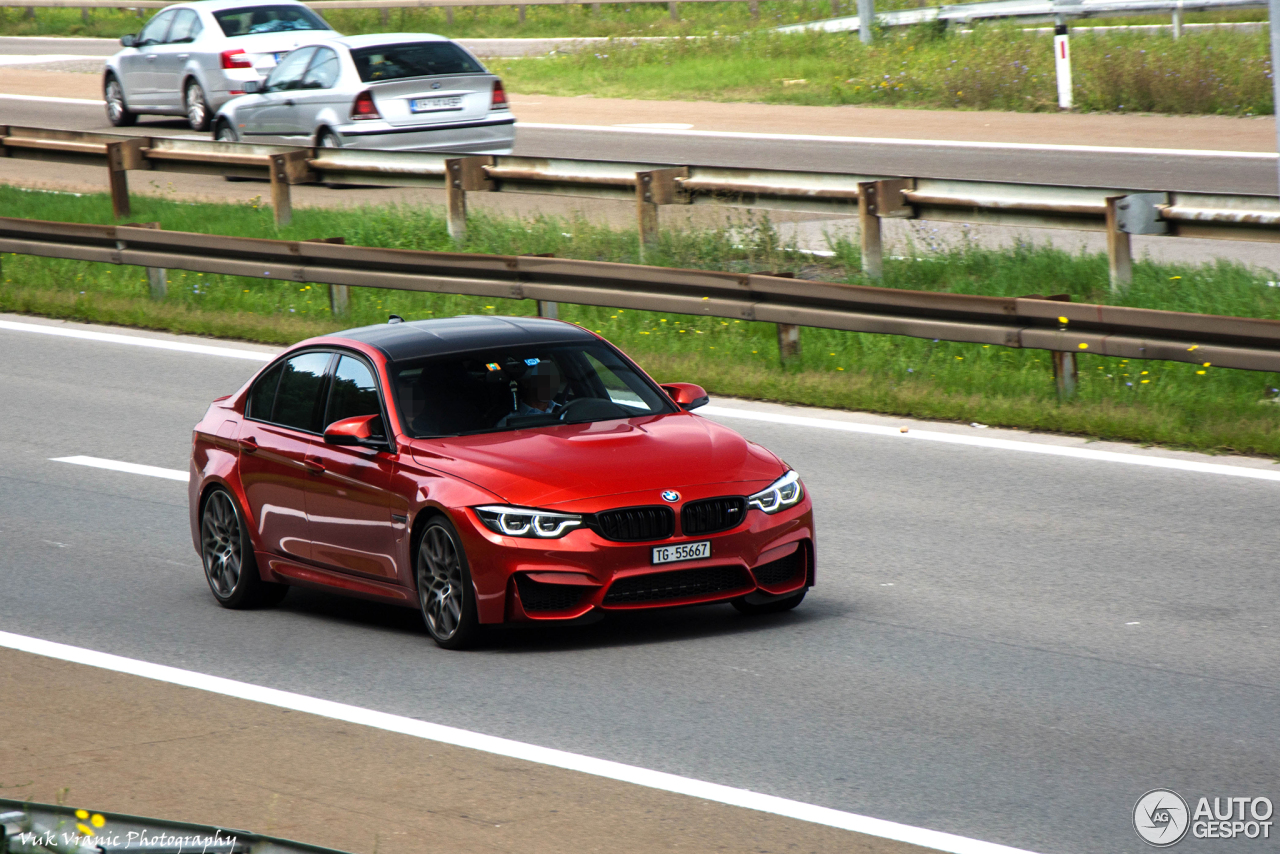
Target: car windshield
(416, 59)
(252, 20)
(520, 387)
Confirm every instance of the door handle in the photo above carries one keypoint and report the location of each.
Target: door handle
(288, 102)
(184, 56)
(313, 465)
(151, 57)
(248, 445)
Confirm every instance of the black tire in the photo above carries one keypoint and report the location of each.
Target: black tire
(775, 606)
(118, 112)
(196, 106)
(446, 596)
(227, 555)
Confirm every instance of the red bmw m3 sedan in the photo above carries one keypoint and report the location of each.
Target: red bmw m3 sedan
(488, 470)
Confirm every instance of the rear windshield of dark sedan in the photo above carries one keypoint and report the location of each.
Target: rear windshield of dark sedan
(414, 59)
(517, 388)
(268, 19)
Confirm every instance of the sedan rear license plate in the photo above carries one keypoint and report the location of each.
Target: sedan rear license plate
(428, 105)
(279, 56)
(684, 551)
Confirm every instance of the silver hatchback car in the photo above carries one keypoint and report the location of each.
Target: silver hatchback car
(192, 58)
(395, 92)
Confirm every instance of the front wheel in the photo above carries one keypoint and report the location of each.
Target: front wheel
(445, 592)
(773, 606)
(118, 113)
(227, 555)
(197, 107)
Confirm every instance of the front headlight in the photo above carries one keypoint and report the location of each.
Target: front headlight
(784, 492)
(527, 522)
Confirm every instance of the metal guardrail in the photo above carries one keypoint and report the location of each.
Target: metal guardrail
(31, 828)
(1118, 212)
(1027, 10)
(1063, 328)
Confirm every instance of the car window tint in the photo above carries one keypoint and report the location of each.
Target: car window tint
(619, 391)
(268, 19)
(298, 397)
(154, 31)
(353, 391)
(323, 72)
(185, 26)
(263, 394)
(288, 73)
(420, 59)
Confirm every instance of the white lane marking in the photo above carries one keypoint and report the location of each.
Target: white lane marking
(509, 748)
(136, 341)
(131, 468)
(1000, 444)
(934, 143)
(88, 101)
(36, 58)
(655, 125)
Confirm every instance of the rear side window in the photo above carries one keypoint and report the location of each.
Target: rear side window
(353, 391)
(323, 72)
(298, 401)
(415, 59)
(268, 19)
(264, 394)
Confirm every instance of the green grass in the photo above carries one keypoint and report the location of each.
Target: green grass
(1174, 404)
(994, 68)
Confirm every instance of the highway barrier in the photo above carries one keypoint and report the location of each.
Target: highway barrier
(1118, 212)
(1063, 328)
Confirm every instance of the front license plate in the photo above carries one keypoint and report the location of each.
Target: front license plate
(684, 551)
(427, 105)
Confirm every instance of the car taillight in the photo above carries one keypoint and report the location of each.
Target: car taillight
(235, 58)
(364, 108)
(499, 101)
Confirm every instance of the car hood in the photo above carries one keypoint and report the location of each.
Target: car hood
(552, 465)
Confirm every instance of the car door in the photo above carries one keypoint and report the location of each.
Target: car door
(279, 432)
(171, 58)
(138, 67)
(274, 116)
(349, 503)
(315, 91)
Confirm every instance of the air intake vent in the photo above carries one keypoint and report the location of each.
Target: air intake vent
(782, 570)
(712, 514)
(634, 524)
(536, 596)
(680, 584)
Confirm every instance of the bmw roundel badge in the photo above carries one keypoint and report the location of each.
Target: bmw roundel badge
(671, 495)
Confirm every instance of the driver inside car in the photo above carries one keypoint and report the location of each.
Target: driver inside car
(538, 388)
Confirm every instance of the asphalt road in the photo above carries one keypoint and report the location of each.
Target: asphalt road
(1001, 645)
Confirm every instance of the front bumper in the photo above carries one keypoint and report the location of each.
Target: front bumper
(519, 579)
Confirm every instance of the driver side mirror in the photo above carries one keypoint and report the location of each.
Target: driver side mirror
(687, 395)
(252, 87)
(359, 430)
(130, 40)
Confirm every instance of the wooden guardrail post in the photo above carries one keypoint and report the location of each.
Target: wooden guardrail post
(339, 295)
(121, 157)
(287, 169)
(520, 12)
(654, 188)
(460, 175)
(674, 9)
(1119, 253)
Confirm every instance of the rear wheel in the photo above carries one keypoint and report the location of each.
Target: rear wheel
(196, 106)
(773, 606)
(118, 113)
(227, 555)
(445, 593)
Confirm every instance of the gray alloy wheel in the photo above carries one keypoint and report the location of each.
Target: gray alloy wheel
(118, 112)
(444, 587)
(227, 555)
(197, 106)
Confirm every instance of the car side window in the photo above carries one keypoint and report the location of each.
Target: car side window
(263, 395)
(353, 391)
(298, 398)
(185, 27)
(155, 30)
(289, 72)
(323, 72)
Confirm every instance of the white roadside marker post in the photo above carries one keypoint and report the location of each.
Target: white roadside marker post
(1062, 60)
(866, 19)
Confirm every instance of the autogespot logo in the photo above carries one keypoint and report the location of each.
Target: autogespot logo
(1160, 817)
